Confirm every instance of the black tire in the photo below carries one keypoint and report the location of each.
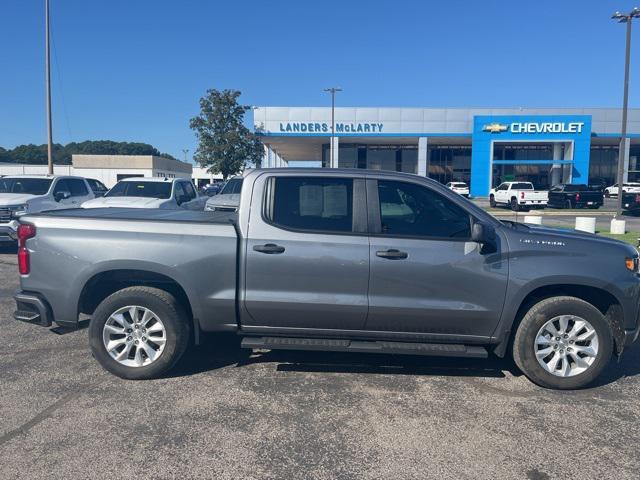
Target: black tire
(492, 201)
(536, 317)
(514, 205)
(568, 205)
(166, 307)
(607, 194)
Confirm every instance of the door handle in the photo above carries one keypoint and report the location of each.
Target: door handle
(269, 248)
(392, 254)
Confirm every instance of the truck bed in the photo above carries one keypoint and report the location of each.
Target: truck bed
(150, 214)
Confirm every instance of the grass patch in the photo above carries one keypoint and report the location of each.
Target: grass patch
(629, 237)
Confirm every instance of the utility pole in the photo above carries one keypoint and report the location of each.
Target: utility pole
(48, 87)
(624, 18)
(333, 91)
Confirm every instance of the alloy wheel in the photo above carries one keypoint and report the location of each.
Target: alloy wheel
(134, 336)
(566, 345)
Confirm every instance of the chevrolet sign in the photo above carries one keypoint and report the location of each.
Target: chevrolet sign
(546, 127)
(535, 127)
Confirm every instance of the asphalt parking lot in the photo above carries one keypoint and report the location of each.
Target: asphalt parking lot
(224, 413)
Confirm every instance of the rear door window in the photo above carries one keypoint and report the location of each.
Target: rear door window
(313, 203)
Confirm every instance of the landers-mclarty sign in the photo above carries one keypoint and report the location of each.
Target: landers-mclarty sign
(315, 127)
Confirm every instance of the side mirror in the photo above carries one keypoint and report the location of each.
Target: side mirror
(59, 196)
(483, 233)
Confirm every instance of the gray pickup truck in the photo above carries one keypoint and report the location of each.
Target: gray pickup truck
(335, 260)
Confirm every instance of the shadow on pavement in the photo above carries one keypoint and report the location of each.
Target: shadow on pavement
(223, 350)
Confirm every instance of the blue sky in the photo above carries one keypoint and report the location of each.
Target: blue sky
(134, 70)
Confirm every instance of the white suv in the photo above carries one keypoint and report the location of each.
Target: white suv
(20, 194)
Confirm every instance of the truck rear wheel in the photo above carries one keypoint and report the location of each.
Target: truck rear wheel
(139, 333)
(514, 205)
(563, 343)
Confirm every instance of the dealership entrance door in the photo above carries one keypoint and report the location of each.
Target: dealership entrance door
(544, 164)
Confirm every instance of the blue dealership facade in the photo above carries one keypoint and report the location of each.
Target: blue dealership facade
(481, 147)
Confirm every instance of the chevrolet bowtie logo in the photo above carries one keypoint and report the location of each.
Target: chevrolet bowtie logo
(495, 128)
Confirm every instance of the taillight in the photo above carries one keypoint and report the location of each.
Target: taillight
(25, 232)
(577, 197)
(522, 195)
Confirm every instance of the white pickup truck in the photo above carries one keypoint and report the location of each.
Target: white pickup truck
(518, 196)
(151, 192)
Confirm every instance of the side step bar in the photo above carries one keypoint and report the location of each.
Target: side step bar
(332, 345)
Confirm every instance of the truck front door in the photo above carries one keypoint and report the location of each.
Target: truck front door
(427, 277)
(307, 253)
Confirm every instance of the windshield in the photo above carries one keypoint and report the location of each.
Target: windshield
(141, 189)
(30, 186)
(233, 186)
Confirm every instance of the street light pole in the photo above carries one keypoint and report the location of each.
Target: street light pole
(185, 151)
(333, 91)
(624, 18)
(48, 88)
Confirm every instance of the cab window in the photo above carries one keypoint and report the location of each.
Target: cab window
(408, 209)
(312, 203)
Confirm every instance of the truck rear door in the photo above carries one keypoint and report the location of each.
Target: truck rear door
(307, 253)
(426, 275)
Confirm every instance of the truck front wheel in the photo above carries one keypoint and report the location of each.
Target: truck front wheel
(139, 333)
(492, 201)
(563, 343)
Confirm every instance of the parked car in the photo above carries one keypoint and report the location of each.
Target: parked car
(20, 194)
(97, 187)
(228, 199)
(631, 187)
(151, 192)
(574, 196)
(335, 260)
(460, 188)
(211, 189)
(518, 196)
(631, 202)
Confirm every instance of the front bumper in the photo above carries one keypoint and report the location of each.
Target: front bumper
(9, 231)
(32, 308)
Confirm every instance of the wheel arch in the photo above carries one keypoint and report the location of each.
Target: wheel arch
(606, 302)
(104, 283)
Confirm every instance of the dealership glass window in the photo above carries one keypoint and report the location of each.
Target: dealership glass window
(408, 209)
(309, 203)
(603, 163)
(634, 163)
(449, 163)
(397, 158)
(539, 175)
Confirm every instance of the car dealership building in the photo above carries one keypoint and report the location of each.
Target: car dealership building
(480, 146)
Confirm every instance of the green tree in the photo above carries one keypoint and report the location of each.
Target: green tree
(225, 145)
(37, 154)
